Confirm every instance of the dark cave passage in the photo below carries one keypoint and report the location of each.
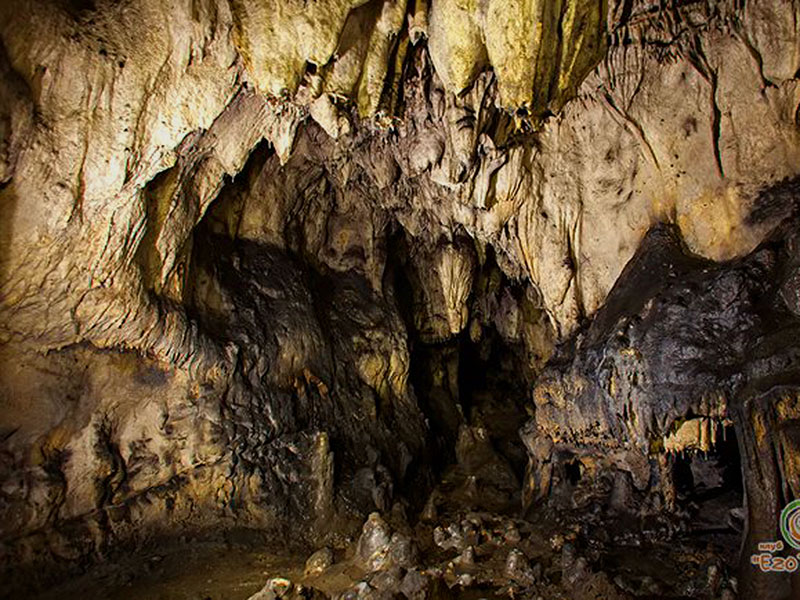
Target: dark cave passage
(710, 489)
(473, 389)
(349, 398)
(398, 301)
(703, 476)
(474, 378)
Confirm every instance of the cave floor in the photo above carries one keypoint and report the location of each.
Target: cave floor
(222, 572)
(463, 551)
(207, 571)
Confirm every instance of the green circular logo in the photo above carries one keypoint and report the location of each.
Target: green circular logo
(790, 524)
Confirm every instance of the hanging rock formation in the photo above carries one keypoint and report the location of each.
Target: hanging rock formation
(265, 263)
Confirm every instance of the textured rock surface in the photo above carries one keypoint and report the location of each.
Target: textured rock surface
(663, 370)
(264, 263)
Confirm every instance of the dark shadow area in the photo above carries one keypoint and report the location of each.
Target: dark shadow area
(775, 203)
(472, 386)
(437, 396)
(710, 489)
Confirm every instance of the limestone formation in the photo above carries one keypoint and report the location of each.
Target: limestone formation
(277, 265)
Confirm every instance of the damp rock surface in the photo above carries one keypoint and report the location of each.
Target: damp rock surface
(551, 558)
(274, 266)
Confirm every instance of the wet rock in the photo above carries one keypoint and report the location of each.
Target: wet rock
(511, 534)
(429, 512)
(386, 581)
(376, 485)
(274, 589)
(714, 578)
(415, 585)
(518, 568)
(363, 591)
(373, 545)
(467, 557)
(736, 518)
(457, 536)
(318, 562)
(379, 548)
(622, 497)
(575, 569)
(402, 551)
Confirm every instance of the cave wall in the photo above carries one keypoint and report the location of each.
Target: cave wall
(684, 351)
(200, 199)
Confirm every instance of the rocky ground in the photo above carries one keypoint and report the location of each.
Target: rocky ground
(471, 540)
(276, 265)
(460, 554)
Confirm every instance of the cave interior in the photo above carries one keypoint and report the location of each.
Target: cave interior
(425, 300)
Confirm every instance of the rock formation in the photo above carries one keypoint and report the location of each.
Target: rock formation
(277, 265)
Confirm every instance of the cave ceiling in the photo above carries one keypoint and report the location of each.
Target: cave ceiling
(243, 240)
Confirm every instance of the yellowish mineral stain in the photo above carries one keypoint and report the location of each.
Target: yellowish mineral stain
(379, 52)
(583, 44)
(540, 50)
(455, 43)
(277, 37)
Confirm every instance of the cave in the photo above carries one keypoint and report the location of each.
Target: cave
(381, 300)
